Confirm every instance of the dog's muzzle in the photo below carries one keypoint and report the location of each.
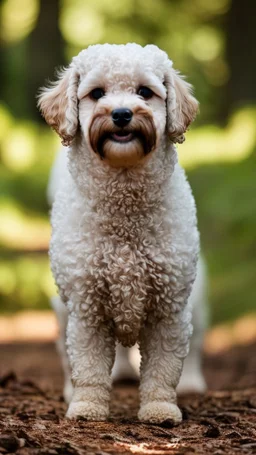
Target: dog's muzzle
(122, 135)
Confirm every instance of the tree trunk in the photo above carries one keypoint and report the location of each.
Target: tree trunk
(241, 55)
(45, 51)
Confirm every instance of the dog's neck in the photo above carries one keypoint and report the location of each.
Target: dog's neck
(119, 199)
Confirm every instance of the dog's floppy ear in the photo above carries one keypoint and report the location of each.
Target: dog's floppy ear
(58, 104)
(182, 107)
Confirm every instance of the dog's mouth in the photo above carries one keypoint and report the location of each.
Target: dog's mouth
(122, 136)
(123, 146)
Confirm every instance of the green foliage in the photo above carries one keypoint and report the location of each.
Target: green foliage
(25, 282)
(189, 31)
(225, 196)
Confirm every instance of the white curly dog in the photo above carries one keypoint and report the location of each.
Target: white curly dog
(125, 243)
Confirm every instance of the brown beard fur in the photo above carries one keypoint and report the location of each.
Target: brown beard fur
(125, 154)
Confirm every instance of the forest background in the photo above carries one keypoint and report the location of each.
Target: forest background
(213, 43)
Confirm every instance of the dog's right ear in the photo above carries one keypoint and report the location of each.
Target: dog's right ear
(58, 104)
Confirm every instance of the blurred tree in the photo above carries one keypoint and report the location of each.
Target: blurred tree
(17, 20)
(44, 52)
(3, 60)
(240, 38)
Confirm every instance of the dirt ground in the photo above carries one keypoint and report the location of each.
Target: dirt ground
(32, 421)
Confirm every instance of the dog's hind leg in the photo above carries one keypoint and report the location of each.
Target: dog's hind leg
(192, 379)
(62, 318)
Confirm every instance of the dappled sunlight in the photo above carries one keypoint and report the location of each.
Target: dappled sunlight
(24, 144)
(21, 231)
(19, 148)
(28, 326)
(206, 46)
(26, 282)
(18, 18)
(145, 448)
(210, 7)
(206, 43)
(224, 336)
(80, 23)
(213, 144)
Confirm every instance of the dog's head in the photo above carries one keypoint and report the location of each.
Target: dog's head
(124, 99)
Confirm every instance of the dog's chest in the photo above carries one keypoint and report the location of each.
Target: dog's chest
(137, 282)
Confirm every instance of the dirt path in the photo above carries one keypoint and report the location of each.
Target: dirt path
(32, 411)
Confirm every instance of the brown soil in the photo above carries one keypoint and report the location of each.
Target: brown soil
(32, 410)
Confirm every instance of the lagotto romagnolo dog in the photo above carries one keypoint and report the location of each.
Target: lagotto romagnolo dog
(125, 243)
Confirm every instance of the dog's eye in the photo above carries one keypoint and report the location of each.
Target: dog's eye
(145, 92)
(97, 93)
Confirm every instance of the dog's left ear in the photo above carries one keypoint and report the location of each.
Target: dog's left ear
(182, 107)
(58, 104)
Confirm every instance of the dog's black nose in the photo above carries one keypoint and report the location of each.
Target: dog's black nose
(122, 116)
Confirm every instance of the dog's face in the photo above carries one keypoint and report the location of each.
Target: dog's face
(125, 99)
(122, 110)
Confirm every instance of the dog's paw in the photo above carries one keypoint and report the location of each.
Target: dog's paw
(87, 410)
(159, 412)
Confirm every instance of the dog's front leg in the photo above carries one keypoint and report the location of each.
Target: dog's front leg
(163, 346)
(91, 352)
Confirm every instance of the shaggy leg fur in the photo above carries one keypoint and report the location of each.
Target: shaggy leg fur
(192, 379)
(62, 318)
(91, 352)
(160, 374)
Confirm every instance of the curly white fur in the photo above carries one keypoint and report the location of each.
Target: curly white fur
(124, 241)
